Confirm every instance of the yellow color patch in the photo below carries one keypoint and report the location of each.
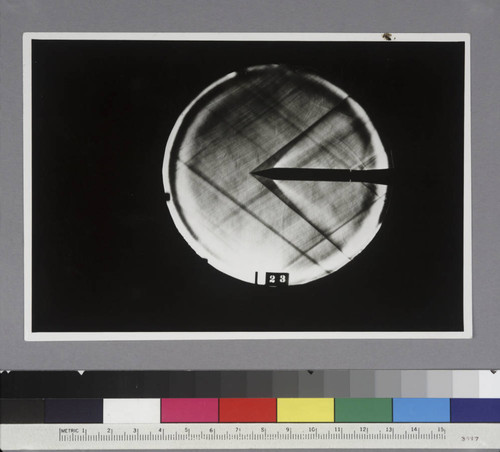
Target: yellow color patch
(305, 410)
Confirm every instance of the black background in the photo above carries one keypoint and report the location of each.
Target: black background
(106, 254)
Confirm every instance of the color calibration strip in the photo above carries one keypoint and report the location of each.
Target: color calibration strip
(248, 410)
(359, 383)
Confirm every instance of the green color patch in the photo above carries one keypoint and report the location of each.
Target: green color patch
(363, 410)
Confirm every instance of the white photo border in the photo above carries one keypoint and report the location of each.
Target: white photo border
(29, 335)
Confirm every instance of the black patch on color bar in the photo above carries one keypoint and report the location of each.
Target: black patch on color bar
(21, 411)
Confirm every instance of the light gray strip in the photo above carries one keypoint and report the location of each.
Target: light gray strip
(362, 383)
(413, 383)
(439, 383)
(387, 383)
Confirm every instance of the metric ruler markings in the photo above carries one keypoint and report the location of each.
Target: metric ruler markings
(256, 435)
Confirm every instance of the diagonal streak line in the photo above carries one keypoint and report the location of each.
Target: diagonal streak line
(271, 161)
(275, 190)
(285, 114)
(357, 214)
(244, 208)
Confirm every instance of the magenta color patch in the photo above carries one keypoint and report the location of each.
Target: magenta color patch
(190, 410)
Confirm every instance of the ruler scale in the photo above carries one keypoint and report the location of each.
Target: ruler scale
(252, 423)
(248, 436)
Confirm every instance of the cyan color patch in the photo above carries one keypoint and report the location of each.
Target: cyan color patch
(421, 410)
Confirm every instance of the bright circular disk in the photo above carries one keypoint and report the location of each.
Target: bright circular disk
(246, 225)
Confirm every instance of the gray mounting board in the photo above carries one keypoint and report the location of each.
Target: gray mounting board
(479, 18)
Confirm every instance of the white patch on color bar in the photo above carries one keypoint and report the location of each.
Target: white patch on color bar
(489, 384)
(129, 411)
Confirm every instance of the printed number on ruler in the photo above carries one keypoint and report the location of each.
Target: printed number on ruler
(247, 436)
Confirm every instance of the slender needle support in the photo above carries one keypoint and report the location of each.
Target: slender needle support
(382, 176)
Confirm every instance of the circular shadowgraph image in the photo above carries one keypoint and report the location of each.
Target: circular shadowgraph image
(274, 172)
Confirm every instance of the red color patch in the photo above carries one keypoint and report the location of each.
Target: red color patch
(247, 410)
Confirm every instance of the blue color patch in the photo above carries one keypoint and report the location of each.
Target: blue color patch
(421, 410)
(475, 410)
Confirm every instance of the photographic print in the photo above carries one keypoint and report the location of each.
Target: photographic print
(246, 186)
